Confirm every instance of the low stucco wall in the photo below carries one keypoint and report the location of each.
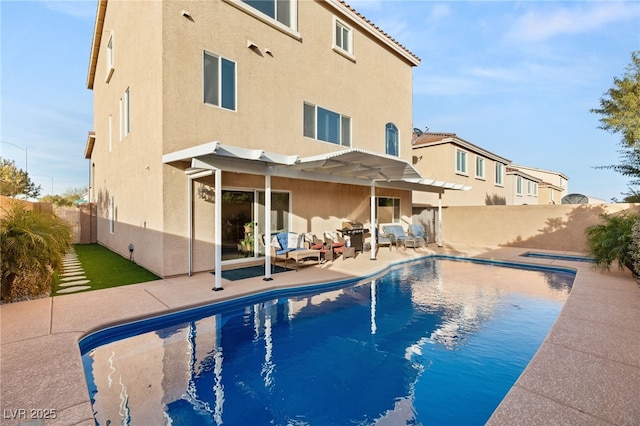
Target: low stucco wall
(551, 227)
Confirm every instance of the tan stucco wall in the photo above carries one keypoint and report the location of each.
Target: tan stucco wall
(439, 162)
(551, 227)
(132, 171)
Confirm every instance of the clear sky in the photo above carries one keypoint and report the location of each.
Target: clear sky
(517, 78)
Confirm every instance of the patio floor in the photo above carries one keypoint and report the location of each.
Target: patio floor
(587, 371)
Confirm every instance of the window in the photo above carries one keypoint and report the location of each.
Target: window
(112, 215)
(110, 132)
(519, 185)
(535, 189)
(343, 37)
(461, 161)
(219, 81)
(322, 124)
(110, 67)
(529, 191)
(499, 172)
(480, 167)
(391, 137)
(125, 122)
(281, 10)
(388, 210)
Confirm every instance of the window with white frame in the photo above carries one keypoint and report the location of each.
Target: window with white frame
(479, 167)
(110, 57)
(343, 36)
(388, 210)
(283, 11)
(112, 215)
(391, 139)
(499, 174)
(325, 125)
(529, 189)
(535, 189)
(461, 161)
(125, 121)
(219, 81)
(519, 185)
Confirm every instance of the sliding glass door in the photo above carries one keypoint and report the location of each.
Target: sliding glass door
(242, 217)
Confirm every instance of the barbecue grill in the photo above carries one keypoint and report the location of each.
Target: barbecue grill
(355, 231)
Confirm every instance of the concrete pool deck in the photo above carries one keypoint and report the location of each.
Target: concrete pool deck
(587, 370)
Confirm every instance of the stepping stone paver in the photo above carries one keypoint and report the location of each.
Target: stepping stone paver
(72, 283)
(73, 289)
(74, 278)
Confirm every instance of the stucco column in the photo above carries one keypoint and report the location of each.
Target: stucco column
(374, 241)
(217, 240)
(267, 228)
(439, 225)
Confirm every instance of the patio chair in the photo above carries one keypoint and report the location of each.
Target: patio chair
(417, 231)
(385, 239)
(337, 243)
(399, 235)
(283, 243)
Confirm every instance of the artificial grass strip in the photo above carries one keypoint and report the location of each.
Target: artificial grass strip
(108, 269)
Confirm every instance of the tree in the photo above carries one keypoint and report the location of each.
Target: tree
(610, 242)
(15, 181)
(67, 199)
(620, 106)
(32, 245)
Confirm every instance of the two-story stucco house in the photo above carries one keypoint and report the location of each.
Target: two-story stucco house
(209, 115)
(448, 157)
(552, 185)
(521, 188)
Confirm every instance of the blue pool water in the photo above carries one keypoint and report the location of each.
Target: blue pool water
(434, 342)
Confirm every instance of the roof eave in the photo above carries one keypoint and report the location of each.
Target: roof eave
(97, 39)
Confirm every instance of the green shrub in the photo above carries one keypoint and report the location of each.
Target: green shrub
(32, 246)
(611, 242)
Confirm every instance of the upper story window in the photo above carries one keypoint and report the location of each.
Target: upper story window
(283, 11)
(219, 77)
(391, 139)
(499, 174)
(125, 120)
(343, 37)
(110, 67)
(519, 185)
(479, 167)
(529, 190)
(535, 189)
(461, 161)
(326, 125)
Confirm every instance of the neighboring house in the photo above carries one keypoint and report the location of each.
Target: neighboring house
(213, 115)
(447, 157)
(553, 185)
(521, 187)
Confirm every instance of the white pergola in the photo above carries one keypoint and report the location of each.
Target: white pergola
(350, 166)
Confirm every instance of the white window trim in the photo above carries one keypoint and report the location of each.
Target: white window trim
(291, 31)
(126, 114)
(235, 79)
(519, 186)
(466, 162)
(110, 132)
(315, 127)
(110, 58)
(347, 53)
(481, 175)
(112, 215)
(499, 175)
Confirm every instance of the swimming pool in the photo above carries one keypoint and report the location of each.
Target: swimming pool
(438, 341)
(555, 256)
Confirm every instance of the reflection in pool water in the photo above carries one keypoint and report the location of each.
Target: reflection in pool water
(433, 342)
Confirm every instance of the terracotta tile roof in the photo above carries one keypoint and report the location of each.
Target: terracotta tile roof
(377, 28)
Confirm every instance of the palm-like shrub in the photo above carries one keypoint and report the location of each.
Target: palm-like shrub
(32, 246)
(610, 242)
